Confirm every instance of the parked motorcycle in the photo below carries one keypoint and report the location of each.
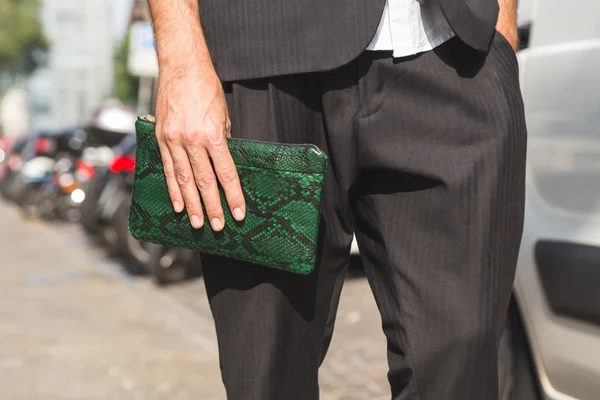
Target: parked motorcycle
(31, 180)
(30, 166)
(112, 209)
(107, 129)
(90, 218)
(49, 187)
(59, 196)
(10, 166)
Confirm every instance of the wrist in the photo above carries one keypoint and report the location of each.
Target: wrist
(183, 66)
(509, 30)
(511, 36)
(184, 49)
(507, 22)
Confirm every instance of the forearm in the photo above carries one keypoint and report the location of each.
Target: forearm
(180, 42)
(507, 20)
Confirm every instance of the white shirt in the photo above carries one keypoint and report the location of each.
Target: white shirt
(408, 27)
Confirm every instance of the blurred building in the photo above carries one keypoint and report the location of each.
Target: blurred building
(120, 14)
(13, 113)
(78, 72)
(142, 60)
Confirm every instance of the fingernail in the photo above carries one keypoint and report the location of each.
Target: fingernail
(216, 223)
(196, 222)
(238, 214)
(176, 206)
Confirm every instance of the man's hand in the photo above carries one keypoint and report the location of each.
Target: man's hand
(192, 121)
(507, 22)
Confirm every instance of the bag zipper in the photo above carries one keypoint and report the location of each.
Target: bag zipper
(148, 118)
(152, 120)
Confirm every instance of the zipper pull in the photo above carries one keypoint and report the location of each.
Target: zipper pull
(148, 118)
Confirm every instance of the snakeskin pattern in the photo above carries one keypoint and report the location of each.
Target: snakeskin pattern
(282, 185)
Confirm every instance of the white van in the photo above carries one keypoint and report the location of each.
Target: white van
(557, 288)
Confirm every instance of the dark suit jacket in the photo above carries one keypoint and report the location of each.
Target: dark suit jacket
(260, 38)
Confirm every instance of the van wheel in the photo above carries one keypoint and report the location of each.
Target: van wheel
(506, 365)
(516, 371)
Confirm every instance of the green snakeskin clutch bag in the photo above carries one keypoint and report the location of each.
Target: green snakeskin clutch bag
(282, 185)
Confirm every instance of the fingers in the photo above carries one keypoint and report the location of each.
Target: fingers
(206, 182)
(191, 178)
(169, 170)
(229, 179)
(184, 177)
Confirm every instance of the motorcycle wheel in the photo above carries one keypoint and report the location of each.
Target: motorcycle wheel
(47, 209)
(65, 210)
(133, 250)
(30, 202)
(4, 185)
(89, 218)
(109, 236)
(89, 213)
(168, 265)
(138, 251)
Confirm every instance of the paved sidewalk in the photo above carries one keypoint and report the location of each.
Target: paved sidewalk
(74, 327)
(70, 329)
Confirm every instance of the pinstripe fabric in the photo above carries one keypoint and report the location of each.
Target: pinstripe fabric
(258, 38)
(264, 38)
(472, 20)
(427, 167)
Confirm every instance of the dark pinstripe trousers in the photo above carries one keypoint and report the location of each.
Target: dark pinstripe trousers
(427, 168)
